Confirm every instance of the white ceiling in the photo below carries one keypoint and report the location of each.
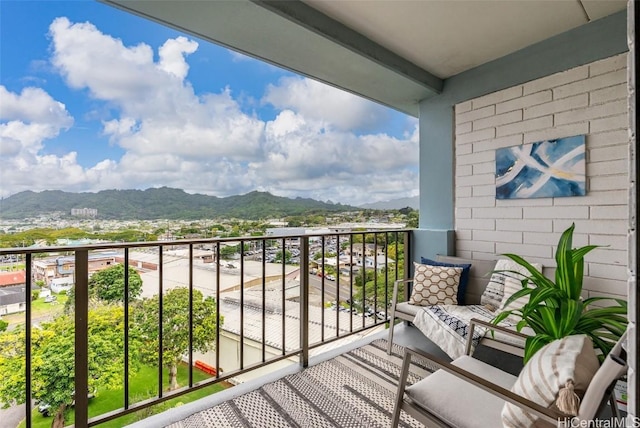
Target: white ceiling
(449, 37)
(395, 52)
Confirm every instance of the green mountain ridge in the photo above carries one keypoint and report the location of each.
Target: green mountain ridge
(163, 203)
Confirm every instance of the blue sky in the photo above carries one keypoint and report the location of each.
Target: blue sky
(94, 98)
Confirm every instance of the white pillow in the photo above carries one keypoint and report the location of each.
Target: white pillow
(494, 293)
(435, 285)
(511, 286)
(570, 359)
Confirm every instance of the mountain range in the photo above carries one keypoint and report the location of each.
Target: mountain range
(163, 203)
(394, 204)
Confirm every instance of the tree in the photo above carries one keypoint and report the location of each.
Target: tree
(175, 330)
(227, 251)
(287, 256)
(53, 361)
(108, 284)
(3, 325)
(377, 286)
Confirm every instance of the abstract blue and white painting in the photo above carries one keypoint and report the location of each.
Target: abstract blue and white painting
(551, 168)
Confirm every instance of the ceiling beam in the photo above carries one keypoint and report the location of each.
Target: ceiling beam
(307, 17)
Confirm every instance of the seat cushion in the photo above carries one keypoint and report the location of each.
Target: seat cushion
(440, 394)
(407, 308)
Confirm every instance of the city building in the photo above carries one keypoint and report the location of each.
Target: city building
(12, 292)
(51, 268)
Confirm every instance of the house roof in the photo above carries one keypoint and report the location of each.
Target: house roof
(252, 316)
(11, 295)
(13, 278)
(11, 298)
(394, 52)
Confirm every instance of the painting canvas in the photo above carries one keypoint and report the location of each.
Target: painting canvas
(551, 168)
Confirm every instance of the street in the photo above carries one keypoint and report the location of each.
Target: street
(12, 416)
(329, 288)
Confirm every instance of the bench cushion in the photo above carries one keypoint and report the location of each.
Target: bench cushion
(448, 327)
(439, 393)
(407, 308)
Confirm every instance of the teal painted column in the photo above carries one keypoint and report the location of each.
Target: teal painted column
(436, 235)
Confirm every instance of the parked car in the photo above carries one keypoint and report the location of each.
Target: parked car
(45, 408)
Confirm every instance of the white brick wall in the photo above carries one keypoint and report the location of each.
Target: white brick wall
(589, 100)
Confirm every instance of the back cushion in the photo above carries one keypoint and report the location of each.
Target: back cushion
(479, 275)
(494, 293)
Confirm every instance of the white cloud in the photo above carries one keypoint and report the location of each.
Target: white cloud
(202, 142)
(35, 106)
(27, 120)
(303, 158)
(160, 113)
(332, 106)
(172, 56)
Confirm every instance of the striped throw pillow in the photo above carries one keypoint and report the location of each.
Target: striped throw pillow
(494, 293)
(511, 286)
(435, 285)
(570, 359)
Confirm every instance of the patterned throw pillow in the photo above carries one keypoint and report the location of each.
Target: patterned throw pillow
(435, 285)
(567, 361)
(464, 277)
(493, 294)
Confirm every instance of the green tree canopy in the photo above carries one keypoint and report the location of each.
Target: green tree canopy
(287, 256)
(175, 327)
(108, 284)
(53, 363)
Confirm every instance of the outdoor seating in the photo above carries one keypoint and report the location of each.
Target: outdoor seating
(448, 326)
(435, 400)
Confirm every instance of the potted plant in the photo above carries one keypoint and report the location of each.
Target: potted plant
(556, 309)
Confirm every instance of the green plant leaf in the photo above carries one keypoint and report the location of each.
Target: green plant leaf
(550, 322)
(533, 345)
(570, 311)
(518, 294)
(556, 309)
(564, 261)
(500, 317)
(591, 300)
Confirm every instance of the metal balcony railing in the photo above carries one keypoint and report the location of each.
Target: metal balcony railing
(278, 298)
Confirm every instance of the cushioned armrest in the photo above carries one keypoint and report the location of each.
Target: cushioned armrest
(547, 414)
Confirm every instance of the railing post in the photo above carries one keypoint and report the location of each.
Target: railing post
(81, 338)
(408, 262)
(304, 302)
(27, 338)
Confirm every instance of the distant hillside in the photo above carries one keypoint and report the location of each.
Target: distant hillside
(162, 202)
(394, 204)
